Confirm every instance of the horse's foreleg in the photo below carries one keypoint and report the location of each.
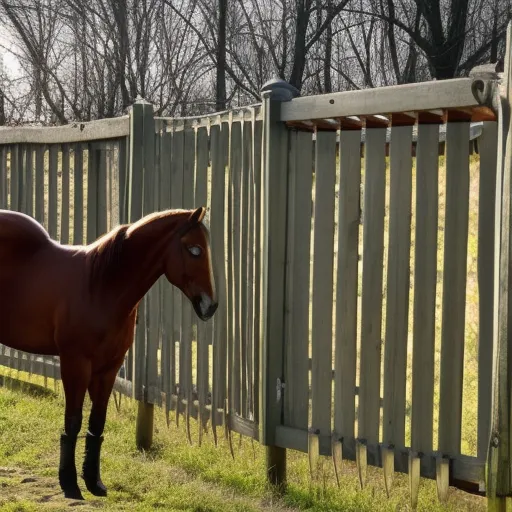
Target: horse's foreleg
(99, 391)
(75, 375)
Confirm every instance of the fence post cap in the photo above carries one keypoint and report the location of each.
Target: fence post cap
(280, 90)
(139, 100)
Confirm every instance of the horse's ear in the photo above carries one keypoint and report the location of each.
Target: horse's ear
(197, 216)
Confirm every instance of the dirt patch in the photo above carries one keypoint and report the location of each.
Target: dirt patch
(19, 486)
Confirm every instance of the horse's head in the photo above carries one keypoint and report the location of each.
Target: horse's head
(188, 265)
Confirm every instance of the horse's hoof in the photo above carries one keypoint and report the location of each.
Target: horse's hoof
(73, 493)
(96, 487)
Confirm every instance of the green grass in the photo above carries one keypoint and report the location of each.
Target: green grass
(175, 475)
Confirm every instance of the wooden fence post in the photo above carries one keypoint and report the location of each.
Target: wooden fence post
(499, 462)
(142, 166)
(274, 208)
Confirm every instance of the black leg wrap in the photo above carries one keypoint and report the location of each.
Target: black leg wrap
(91, 467)
(67, 469)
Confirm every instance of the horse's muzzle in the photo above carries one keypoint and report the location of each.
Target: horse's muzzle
(204, 306)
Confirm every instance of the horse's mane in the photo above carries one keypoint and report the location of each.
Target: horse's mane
(104, 255)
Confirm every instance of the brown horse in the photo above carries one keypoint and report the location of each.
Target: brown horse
(80, 303)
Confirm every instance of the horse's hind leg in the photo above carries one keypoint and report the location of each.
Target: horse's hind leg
(99, 391)
(75, 375)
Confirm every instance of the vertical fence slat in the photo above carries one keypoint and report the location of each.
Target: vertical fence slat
(15, 179)
(204, 329)
(123, 181)
(321, 338)
(187, 321)
(92, 193)
(486, 212)
(78, 193)
(29, 179)
(23, 174)
(425, 277)
(250, 290)
(150, 205)
(3, 177)
(177, 300)
(371, 305)
(244, 263)
(235, 170)
(135, 199)
(454, 286)
(53, 200)
(102, 192)
(347, 277)
(296, 398)
(64, 220)
(167, 357)
(397, 304)
(218, 149)
(39, 181)
(257, 127)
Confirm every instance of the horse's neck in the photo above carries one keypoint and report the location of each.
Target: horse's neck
(140, 262)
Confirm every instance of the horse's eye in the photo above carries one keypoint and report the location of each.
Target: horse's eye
(195, 250)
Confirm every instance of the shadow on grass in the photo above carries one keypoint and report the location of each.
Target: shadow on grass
(29, 388)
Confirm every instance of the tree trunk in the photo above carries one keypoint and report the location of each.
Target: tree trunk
(220, 89)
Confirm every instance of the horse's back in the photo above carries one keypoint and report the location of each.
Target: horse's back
(18, 227)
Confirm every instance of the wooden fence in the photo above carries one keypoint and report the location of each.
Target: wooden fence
(364, 293)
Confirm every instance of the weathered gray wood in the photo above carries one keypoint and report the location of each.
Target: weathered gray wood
(347, 277)
(414, 478)
(321, 339)
(454, 287)
(77, 132)
(177, 202)
(218, 151)
(204, 329)
(257, 130)
(92, 192)
(123, 180)
(23, 193)
(296, 398)
(453, 93)
(274, 165)
(245, 287)
(498, 460)
(371, 306)
(53, 199)
(102, 193)
(425, 277)
(3, 177)
(397, 303)
(78, 193)
(64, 219)
(150, 205)
(39, 182)
(463, 467)
(137, 162)
(486, 212)
(29, 180)
(234, 260)
(168, 370)
(186, 319)
(15, 177)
